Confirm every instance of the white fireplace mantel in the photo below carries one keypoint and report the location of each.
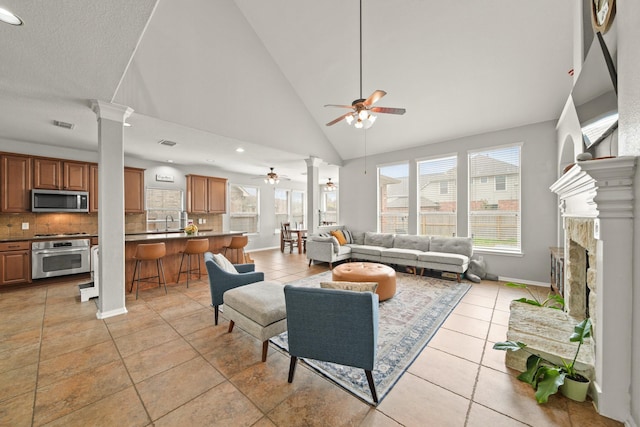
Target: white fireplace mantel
(603, 190)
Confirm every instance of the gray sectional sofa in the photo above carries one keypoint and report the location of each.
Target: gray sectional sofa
(450, 254)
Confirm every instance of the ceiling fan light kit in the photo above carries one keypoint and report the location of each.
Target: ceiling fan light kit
(362, 108)
(272, 178)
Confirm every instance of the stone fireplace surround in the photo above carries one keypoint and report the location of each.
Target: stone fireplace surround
(596, 205)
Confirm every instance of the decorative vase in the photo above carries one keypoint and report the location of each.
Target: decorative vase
(574, 389)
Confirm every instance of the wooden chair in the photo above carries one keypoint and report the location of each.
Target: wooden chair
(286, 237)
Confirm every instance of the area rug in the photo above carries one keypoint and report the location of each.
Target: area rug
(406, 324)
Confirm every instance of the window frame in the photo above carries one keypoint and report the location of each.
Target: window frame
(245, 214)
(175, 224)
(492, 207)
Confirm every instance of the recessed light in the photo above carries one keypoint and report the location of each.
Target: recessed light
(10, 17)
(169, 161)
(239, 150)
(210, 160)
(127, 125)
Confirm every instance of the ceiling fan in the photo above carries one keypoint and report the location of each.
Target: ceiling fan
(362, 108)
(272, 177)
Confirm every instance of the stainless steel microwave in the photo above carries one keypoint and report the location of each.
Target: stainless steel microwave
(59, 201)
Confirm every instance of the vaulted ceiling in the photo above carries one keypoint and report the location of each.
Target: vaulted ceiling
(217, 75)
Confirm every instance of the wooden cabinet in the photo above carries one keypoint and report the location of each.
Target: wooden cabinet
(133, 190)
(206, 194)
(93, 187)
(55, 174)
(15, 183)
(15, 263)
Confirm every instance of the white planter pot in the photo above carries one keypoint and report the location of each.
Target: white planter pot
(575, 390)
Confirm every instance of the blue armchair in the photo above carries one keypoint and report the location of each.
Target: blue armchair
(221, 281)
(334, 326)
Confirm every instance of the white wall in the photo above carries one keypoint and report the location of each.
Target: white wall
(358, 193)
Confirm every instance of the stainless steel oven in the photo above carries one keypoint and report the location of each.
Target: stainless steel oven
(59, 257)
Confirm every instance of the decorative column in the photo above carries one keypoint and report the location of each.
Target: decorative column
(603, 190)
(111, 117)
(313, 194)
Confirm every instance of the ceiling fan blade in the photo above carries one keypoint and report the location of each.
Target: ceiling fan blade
(375, 96)
(339, 106)
(339, 119)
(388, 110)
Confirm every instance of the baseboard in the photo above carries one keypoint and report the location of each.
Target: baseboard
(111, 313)
(262, 249)
(525, 282)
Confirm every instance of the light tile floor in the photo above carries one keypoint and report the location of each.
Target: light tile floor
(165, 364)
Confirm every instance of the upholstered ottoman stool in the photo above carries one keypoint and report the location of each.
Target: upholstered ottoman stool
(258, 309)
(367, 272)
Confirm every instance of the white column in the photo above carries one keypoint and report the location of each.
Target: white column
(111, 117)
(313, 193)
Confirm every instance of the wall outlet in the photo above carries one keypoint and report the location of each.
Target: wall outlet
(199, 220)
(25, 225)
(204, 220)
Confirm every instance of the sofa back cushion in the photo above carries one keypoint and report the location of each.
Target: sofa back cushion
(404, 241)
(452, 245)
(357, 237)
(384, 240)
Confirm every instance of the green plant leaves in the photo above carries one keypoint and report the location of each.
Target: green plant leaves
(529, 301)
(509, 345)
(581, 331)
(550, 378)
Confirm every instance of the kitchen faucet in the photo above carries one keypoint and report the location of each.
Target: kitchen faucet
(166, 222)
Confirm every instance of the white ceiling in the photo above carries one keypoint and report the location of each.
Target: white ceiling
(215, 75)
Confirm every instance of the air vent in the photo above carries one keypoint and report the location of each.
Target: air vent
(64, 125)
(167, 142)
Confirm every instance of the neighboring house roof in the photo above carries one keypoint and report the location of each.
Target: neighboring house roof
(483, 165)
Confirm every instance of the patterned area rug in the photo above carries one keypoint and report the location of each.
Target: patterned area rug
(406, 324)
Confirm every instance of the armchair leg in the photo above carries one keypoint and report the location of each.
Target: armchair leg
(372, 386)
(231, 324)
(310, 262)
(292, 368)
(215, 314)
(265, 349)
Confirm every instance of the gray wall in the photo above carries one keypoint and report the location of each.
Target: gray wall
(358, 194)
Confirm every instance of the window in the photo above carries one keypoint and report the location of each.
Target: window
(281, 206)
(164, 207)
(329, 208)
(494, 203)
(393, 198)
(437, 192)
(298, 204)
(244, 209)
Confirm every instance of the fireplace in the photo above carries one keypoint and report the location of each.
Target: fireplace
(596, 206)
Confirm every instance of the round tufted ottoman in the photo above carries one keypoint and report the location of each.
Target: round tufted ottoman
(368, 272)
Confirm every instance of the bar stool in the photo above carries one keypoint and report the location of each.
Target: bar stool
(238, 243)
(193, 247)
(149, 252)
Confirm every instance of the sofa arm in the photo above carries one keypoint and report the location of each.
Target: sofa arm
(320, 251)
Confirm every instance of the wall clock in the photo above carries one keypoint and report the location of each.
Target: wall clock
(602, 13)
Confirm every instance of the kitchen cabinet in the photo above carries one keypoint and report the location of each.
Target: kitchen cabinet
(15, 183)
(15, 263)
(93, 187)
(56, 174)
(133, 190)
(206, 194)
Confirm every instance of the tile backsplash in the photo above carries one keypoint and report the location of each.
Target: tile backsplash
(57, 223)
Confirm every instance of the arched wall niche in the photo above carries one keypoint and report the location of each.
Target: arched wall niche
(567, 154)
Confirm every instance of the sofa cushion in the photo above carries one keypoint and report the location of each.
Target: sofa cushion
(224, 263)
(404, 241)
(351, 286)
(347, 236)
(397, 253)
(444, 258)
(378, 239)
(452, 245)
(343, 250)
(340, 236)
(357, 237)
(366, 250)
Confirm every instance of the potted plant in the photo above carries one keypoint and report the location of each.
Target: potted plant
(545, 376)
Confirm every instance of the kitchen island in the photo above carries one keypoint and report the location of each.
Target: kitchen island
(175, 243)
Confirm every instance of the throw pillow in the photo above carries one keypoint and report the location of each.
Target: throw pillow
(347, 236)
(338, 235)
(351, 286)
(224, 263)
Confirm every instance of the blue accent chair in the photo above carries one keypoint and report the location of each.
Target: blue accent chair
(221, 281)
(334, 326)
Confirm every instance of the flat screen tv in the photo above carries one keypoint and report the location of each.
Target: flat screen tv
(595, 94)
